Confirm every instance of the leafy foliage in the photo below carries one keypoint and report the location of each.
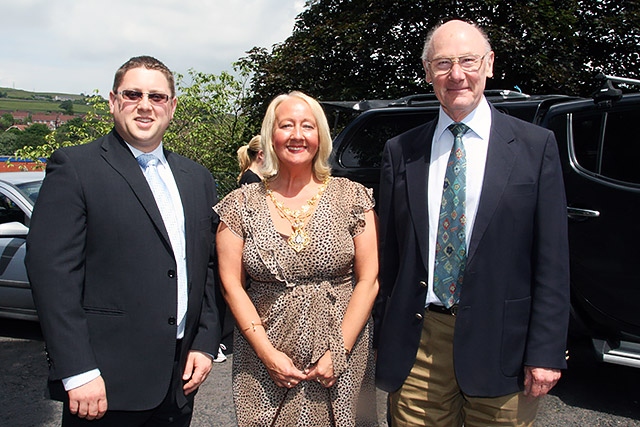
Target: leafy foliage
(67, 106)
(10, 141)
(360, 49)
(208, 125)
(6, 121)
(96, 122)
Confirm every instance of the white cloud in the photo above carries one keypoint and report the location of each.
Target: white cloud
(75, 46)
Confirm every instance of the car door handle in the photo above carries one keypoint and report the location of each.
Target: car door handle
(581, 214)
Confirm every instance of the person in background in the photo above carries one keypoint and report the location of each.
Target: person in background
(298, 264)
(250, 159)
(472, 315)
(120, 259)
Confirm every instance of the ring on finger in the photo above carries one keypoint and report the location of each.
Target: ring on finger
(289, 384)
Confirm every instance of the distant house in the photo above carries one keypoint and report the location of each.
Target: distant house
(51, 120)
(18, 116)
(19, 127)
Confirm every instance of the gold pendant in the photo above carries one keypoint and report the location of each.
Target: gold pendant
(299, 239)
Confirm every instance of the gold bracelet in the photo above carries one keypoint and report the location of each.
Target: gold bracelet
(253, 326)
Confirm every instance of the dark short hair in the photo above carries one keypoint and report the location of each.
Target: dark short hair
(148, 62)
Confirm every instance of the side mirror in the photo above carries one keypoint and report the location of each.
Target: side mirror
(13, 229)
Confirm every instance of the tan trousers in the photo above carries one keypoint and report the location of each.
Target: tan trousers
(430, 396)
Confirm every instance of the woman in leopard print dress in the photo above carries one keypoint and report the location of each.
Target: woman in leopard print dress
(298, 264)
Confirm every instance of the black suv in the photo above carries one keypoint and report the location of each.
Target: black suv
(600, 151)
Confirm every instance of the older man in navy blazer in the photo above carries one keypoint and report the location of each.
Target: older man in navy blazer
(482, 354)
(123, 285)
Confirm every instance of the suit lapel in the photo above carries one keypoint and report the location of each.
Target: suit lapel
(418, 156)
(500, 160)
(118, 155)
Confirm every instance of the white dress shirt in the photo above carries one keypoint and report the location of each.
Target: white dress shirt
(476, 144)
(181, 258)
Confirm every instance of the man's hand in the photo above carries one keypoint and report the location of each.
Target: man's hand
(89, 400)
(196, 370)
(539, 381)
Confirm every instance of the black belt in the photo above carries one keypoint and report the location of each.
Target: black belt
(453, 311)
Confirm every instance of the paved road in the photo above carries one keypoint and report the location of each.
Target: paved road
(590, 394)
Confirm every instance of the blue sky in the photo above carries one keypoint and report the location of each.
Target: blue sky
(75, 46)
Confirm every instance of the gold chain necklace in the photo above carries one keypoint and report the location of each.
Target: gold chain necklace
(299, 238)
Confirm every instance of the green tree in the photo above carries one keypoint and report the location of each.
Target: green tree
(96, 122)
(6, 121)
(208, 124)
(67, 106)
(9, 141)
(34, 136)
(358, 49)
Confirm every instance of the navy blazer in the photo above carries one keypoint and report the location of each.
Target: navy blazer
(104, 276)
(514, 305)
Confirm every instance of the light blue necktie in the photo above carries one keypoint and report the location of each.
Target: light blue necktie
(451, 245)
(161, 194)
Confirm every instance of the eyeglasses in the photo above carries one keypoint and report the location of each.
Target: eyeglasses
(468, 63)
(136, 96)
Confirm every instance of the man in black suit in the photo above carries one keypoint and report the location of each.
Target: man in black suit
(472, 315)
(122, 273)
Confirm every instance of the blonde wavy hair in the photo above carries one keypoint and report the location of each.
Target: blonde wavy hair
(321, 168)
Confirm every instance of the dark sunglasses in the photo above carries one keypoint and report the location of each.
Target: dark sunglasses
(134, 95)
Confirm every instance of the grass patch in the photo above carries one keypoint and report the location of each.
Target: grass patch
(24, 94)
(39, 102)
(38, 106)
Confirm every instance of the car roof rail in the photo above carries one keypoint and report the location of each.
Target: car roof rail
(607, 94)
(615, 79)
(410, 100)
(421, 99)
(505, 94)
(355, 105)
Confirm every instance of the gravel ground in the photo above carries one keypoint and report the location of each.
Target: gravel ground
(590, 394)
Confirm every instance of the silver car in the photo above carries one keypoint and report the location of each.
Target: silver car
(18, 193)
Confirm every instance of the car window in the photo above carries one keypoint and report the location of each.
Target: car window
(603, 145)
(30, 190)
(10, 211)
(364, 150)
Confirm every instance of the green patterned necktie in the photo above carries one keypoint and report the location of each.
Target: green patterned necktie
(451, 246)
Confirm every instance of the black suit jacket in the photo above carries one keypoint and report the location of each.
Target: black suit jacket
(514, 306)
(103, 273)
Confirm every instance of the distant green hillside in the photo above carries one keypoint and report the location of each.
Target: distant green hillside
(39, 102)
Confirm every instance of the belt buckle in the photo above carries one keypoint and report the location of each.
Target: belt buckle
(454, 310)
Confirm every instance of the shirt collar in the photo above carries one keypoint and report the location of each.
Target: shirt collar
(158, 152)
(479, 120)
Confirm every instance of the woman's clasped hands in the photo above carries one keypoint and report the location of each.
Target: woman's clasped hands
(285, 374)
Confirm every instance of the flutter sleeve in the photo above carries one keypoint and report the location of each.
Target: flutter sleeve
(361, 201)
(230, 211)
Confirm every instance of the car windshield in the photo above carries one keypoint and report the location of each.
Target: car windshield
(30, 190)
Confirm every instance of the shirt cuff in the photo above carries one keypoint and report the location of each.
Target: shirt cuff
(80, 379)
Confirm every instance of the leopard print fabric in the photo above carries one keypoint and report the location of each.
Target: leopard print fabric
(301, 299)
